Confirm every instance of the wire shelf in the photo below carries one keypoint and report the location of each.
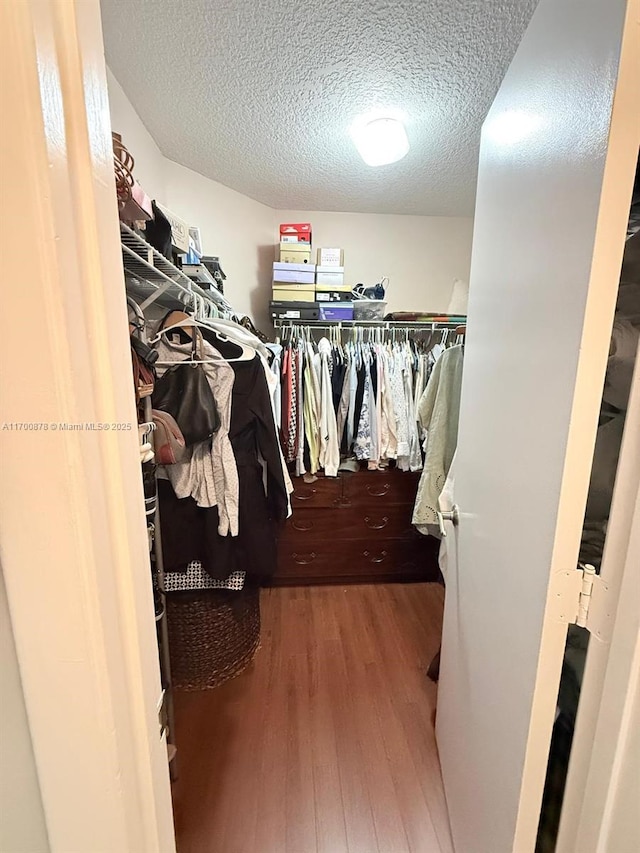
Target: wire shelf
(286, 322)
(152, 277)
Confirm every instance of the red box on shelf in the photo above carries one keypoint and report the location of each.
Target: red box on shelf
(295, 232)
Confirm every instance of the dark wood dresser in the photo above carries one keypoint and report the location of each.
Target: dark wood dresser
(355, 528)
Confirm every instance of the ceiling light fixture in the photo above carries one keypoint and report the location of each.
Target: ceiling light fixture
(380, 139)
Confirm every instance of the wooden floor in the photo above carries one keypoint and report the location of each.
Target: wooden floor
(326, 744)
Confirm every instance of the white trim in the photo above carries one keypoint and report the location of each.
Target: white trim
(72, 524)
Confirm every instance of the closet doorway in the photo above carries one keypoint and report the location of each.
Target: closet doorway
(336, 701)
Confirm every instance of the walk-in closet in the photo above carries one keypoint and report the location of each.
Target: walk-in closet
(320, 515)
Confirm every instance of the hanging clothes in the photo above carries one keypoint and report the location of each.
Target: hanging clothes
(362, 443)
(276, 369)
(438, 411)
(300, 463)
(292, 433)
(192, 533)
(398, 386)
(329, 455)
(208, 473)
(389, 438)
(357, 400)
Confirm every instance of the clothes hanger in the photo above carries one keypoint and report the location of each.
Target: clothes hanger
(187, 322)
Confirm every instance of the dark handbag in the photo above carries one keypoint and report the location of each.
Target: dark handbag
(184, 393)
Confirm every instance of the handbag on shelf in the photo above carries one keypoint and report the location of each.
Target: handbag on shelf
(169, 441)
(184, 393)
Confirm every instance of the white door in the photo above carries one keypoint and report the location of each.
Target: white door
(556, 170)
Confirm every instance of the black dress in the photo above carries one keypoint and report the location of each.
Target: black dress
(190, 532)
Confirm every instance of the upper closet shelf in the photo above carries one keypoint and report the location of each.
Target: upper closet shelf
(152, 278)
(287, 322)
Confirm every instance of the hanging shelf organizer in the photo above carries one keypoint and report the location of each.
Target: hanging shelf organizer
(151, 277)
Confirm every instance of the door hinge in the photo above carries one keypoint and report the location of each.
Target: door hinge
(161, 707)
(584, 600)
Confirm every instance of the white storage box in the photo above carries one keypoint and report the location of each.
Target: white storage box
(330, 257)
(330, 277)
(369, 309)
(294, 273)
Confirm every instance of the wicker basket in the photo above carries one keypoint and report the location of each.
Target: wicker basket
(213, 635)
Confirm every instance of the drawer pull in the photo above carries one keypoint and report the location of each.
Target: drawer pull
(379, 558)
(304, 559)
(302, 526)
(376, 525)
(304, 497)
(380, 494)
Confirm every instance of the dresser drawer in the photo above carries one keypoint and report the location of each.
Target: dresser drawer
(350, 562)
(365, 524)
(379, 488)
(325, 492)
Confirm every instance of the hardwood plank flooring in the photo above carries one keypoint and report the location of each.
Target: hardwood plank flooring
(325, 744)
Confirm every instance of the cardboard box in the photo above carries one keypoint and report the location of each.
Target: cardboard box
(294, 273)
(330, 258)
(295, 310)
(336, 311)
(330, 277)
(285, 293)
(295, 232)
(294, 253)
(179, 230)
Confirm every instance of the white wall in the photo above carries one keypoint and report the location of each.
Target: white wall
(22, 825)
(233, 226)
(421, 255)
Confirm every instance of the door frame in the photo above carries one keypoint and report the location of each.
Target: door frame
(81, 611)
(75, 554)
(597, 800)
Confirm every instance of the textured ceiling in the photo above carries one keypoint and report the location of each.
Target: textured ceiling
(259, 94)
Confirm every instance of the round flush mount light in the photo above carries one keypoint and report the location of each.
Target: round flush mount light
(380, 139)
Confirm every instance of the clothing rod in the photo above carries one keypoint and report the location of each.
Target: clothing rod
(280, 323)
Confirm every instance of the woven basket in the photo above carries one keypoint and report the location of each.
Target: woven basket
(213, 635)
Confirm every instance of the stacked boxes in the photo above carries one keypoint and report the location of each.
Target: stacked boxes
(295, 243)
(294, 275)
(302, 290)
(330, 286)
(293, 282)
(332, 294)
